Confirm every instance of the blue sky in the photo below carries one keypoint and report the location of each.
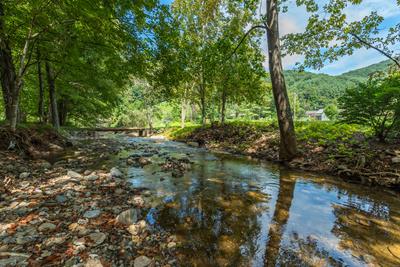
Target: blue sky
(296, 19)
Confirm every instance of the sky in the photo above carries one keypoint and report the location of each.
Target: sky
(296, 18)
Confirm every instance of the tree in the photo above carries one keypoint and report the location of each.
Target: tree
(375, 103)
(288, 146)
(80, 43)
(331, 111)
(328, 37)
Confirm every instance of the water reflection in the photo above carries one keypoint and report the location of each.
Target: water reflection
(281, 216)
(230, 211)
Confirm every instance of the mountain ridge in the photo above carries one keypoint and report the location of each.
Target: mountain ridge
(317, 90)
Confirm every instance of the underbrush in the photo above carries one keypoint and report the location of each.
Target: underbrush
(30, 138)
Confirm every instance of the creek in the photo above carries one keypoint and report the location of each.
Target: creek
(229, 210)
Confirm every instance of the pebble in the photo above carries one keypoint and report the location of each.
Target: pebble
(128, 217)
(396, 160)
(61, 199)
(142, 261)
(115, 173)
(97, 238)
(54, 241)
(24, 175)
(73, 174)
(90, 214)
(171, 245)
(138, 201)
(45, 227)
(93, 263)
(92, 177)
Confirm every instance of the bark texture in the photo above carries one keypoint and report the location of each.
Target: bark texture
(288, 146)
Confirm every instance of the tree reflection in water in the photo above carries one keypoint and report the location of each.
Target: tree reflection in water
(280, 218)
(220, 213)
(216, 218)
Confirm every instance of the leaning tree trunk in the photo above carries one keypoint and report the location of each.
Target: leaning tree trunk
(52, 96)
(288, 147)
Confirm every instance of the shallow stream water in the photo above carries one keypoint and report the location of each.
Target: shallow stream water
(234, 211)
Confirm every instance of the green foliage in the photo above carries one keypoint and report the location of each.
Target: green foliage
(315, 91)
(325, 133)
(91, 46)
(180, 133)
(332, 35)
(375, 103)
(331, 111)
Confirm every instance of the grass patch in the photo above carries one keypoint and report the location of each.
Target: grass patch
(325, 133)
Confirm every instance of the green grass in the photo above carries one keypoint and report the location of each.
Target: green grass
(322, 133)
(325, 133)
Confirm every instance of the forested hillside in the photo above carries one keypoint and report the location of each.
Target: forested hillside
(312, 91)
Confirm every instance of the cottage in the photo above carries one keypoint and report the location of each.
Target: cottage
(318, 115)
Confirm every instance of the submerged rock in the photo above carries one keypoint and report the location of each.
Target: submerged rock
(144, 161)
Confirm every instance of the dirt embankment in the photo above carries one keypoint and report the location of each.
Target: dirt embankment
(357, 158)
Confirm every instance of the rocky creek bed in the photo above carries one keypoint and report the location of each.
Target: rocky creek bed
(77, 212)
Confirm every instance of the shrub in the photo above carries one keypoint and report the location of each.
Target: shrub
(375, 103)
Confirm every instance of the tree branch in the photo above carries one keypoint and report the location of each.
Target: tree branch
(376, 48)
(245, 35)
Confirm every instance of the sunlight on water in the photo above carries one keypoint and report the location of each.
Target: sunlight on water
(231, 211)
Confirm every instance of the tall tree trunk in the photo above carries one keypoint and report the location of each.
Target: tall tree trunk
(12, 81)
(7, 80)
(203, 104)
(288, 146)
(223, 105)
(183, 112)
(41, 89)
(62, 111)
(52, 96)
(280, 218)
(7, 68)
(10, 85)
